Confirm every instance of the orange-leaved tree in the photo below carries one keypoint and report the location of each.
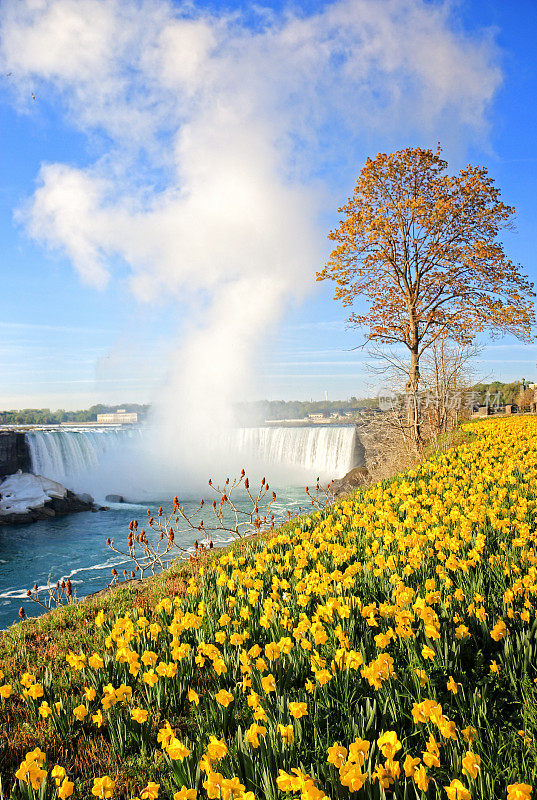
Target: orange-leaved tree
(422, 247)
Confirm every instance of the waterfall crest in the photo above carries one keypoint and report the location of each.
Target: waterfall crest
(62, 455)
(326, 450)
(69, 455)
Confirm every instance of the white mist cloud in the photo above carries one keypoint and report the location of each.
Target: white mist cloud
(215, 142)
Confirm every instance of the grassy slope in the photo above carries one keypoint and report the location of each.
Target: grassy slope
(510, 703)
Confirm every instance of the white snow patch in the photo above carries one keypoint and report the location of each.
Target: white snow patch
(21, 492)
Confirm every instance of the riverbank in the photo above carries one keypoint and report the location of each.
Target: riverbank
(386, 641)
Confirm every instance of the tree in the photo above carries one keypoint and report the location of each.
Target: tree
(422, 247)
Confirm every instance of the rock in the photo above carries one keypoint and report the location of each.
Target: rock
(85, 498)
(350, 482)
(28, 498)
(115, 498)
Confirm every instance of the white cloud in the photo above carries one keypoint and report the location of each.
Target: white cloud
(213, 136)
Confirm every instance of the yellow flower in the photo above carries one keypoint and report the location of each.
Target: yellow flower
(410, 765)
(58, 773)
(80, 712)
(35, 691)
(323, 676)
(185, 794)
(253, 733)
(427, 652)
(45, 710)
(30, 771)
(457, 791)
(95, 661)
(272, 651)
(103, 787)
(139, 715)
(224, 698)
(150, 677)
(422, 675)
(451, 685)
(27, 679)
(176, 749)
(213, 785)
(98, 718)
(337, 755)
(286, 732)
(150, 792)
(6, 690)
(66, 789)
(90, 693)
(193, 697)
(351, 777)
(358, 751)
(216, 749)
(499, 631)
(471, 764)
(420, 779)
(389, 744)
(494, 667)
(268, 683)
(99, 619)
(519, 791)
(298, 710)
(469, 734)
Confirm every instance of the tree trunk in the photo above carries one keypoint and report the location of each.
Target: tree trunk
(412, 398)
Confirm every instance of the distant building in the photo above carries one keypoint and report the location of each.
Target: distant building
(118, 417)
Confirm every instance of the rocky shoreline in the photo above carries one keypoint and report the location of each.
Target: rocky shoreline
(28, 498)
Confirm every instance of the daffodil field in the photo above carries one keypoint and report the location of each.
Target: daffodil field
(384, 647)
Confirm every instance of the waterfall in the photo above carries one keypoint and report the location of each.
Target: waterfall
(63, 455)
(76, 457)
(325, 450)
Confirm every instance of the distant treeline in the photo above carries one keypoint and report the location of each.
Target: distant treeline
(257, 412)
(44, 416)
(249, 413)
(508, 392)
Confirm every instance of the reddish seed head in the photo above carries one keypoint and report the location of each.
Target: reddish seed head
(114, 571)
(22, 613)
(202, 502)
(29, 593)
(246, 483)
(210, 481)
(214, 503)
(274, 495)
(160, 511)
(108, 541)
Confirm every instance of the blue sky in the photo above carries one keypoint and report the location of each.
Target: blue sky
(127, 323)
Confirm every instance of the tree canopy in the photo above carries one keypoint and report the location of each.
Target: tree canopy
(422, 246)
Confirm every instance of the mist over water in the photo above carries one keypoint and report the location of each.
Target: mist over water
(130, 462)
